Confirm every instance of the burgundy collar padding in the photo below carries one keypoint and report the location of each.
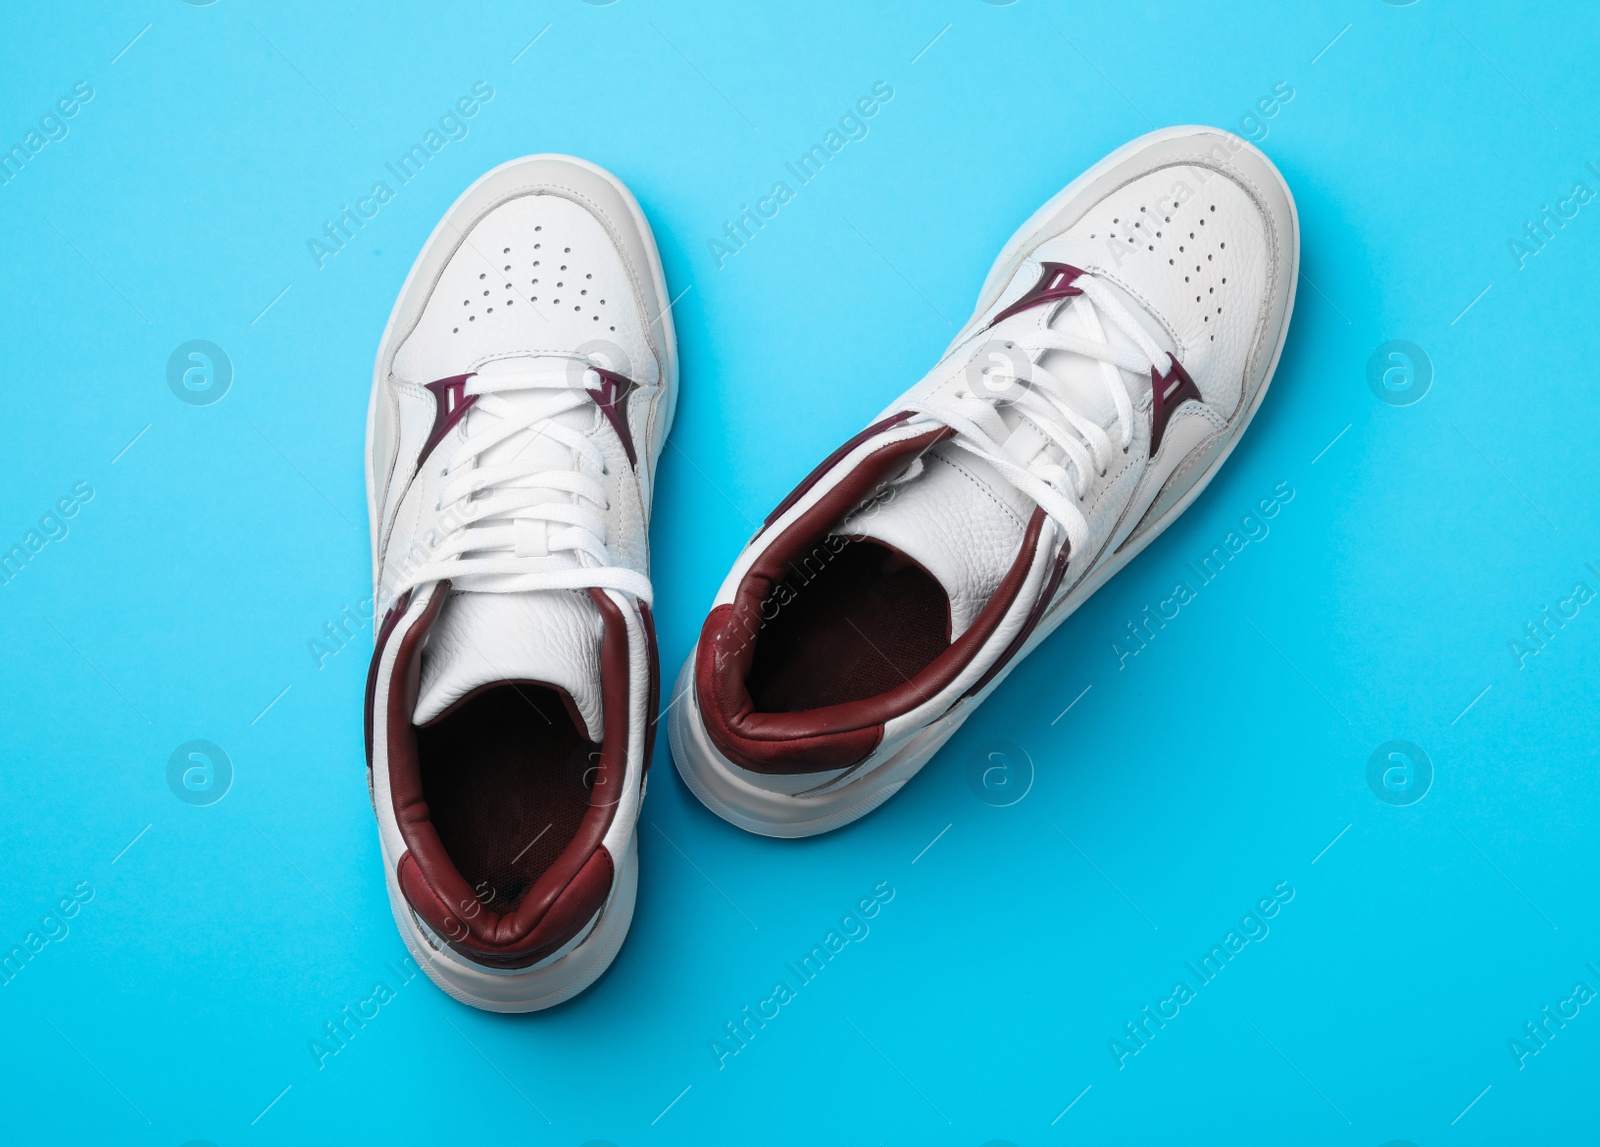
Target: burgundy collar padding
(568, 894)
(836, 736)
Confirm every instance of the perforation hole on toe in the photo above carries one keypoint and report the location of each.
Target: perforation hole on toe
(522, 267)
(1169, 227)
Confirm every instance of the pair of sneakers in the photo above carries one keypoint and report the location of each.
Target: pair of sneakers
(521, 399)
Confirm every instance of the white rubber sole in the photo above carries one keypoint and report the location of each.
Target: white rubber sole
(585, 959)
(738, 795)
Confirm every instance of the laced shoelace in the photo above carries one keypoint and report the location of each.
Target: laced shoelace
(497, 512)
(1086, 449)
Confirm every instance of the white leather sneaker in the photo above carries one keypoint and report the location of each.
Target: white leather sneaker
(1120, 346)
(521, 399)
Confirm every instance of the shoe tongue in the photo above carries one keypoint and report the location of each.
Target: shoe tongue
(549, 637)
(955, 516)
(953, 513)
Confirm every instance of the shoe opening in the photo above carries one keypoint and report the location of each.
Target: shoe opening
(507, 774)
(857, 620)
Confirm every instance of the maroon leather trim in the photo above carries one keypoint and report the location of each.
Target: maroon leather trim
(575, 906)
(450, 405)
(385, 629)
(1055, 283)
(830, 462)
(433, 886)
(653, 703)
(612, 399)
(1029, 624)
(835, 736)
(1168, 392)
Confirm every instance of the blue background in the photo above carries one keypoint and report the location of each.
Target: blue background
(1228, 756)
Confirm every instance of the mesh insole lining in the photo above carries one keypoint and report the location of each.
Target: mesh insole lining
(866, 622)
(505, 781)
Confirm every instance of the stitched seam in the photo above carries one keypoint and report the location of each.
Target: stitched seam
(958, 468)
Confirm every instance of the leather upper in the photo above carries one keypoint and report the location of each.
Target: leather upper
(543, 261)
(1192, 241)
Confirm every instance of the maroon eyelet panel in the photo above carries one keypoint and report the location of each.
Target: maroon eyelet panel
(450, 405)
(1168, 392)
(612, 399)
(1055, 283)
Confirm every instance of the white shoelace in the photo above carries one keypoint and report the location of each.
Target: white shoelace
(1047, 406)
(507, 518)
